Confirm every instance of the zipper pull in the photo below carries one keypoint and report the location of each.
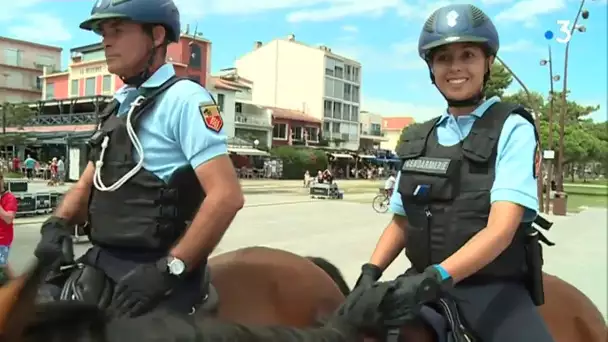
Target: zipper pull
(428, 212)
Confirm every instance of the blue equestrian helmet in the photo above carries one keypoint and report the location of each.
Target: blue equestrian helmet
(458, 24)
(154, 12)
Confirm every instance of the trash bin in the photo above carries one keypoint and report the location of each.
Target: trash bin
(560, 203)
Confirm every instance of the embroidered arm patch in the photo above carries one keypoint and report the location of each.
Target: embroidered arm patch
(211, 116)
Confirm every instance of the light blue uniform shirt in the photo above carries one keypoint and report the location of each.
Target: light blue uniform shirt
(514, 181)
(174, 133)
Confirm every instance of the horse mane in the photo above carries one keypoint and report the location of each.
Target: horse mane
(66, 321)
(332, 271)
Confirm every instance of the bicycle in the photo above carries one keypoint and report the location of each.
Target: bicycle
(381, 202)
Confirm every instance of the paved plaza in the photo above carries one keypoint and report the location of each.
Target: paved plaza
(345, 233)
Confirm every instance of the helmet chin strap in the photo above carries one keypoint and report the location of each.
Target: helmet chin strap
(474, 100)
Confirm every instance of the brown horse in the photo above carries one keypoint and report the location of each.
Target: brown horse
(289, 290)
(267, 286)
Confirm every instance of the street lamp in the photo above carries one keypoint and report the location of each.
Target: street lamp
(552, 78)
(562, 117)
(539, 179)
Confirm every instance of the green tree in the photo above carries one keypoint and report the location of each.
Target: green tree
(500, 80)
(534, 102)
(14, 116)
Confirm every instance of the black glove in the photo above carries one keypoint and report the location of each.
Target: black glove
(55, 236)
(413, 291)
(370, 273)
(142, 289)
(363, 308)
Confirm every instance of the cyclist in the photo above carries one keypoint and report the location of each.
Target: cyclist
(389, 184)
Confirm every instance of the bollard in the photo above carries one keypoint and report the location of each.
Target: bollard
(560, 203)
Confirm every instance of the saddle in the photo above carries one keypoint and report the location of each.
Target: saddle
(443, 317)
(75, 280)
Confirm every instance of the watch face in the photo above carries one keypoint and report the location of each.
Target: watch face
(176, 266)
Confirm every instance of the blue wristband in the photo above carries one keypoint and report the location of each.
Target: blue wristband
(444, 274)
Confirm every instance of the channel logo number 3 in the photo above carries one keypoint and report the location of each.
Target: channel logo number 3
(564, 27)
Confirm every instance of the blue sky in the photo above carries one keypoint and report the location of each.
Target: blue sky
(381, 34)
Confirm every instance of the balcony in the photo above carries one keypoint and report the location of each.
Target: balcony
(373, 133)
(251, 120)
(63, 119)
(24, 84)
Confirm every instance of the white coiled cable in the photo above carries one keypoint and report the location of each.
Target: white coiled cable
(97, 182)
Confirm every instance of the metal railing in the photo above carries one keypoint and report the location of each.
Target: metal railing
(63, 119)
(250, 119)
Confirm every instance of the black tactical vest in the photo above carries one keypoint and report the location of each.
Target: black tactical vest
(446, 193)
(146, 215)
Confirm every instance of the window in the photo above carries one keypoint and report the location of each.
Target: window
(89, 86)
(327, 106)
(38, 82)
(335, 127)
(338, 89)
(330, 64)
(48, 61)
(312, 133)
(238, 107)
(356, 75)
(107, 83)
(279, 131)
(296, 133)
(326, 125)
(75, 90)
(349, 72)
(337, 110)
(348, 92)
(195, 56)
(355, 96)
(329, 87)
(50, 91)
(220, 100)
(346, 113)
(375, 129)
(13, 57)
(338, 71)
(354, 114)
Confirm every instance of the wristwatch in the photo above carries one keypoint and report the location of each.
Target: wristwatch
(175, 266)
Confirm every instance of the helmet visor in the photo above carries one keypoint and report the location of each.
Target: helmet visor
(92, 23)
(453, 39)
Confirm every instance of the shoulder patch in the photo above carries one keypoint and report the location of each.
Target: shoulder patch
(211, 116)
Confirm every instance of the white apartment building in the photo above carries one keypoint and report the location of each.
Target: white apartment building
(242, 118)
(292, 75)
(371, 134)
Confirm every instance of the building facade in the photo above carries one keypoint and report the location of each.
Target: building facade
(392, 128)
(21, 65)
(251, 122)
(88, 75)
(312, 80)
(371, 134)
(292, 127)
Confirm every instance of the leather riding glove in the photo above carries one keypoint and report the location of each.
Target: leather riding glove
(370, 273)
(363, 309)
(413, 291)
(142, 289)
(54, 237)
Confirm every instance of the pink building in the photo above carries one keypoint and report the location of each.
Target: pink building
(87, 74)
(21, 65)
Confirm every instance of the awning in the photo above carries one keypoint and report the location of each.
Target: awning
(366, 156)
(341, 155)
(247, 151)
